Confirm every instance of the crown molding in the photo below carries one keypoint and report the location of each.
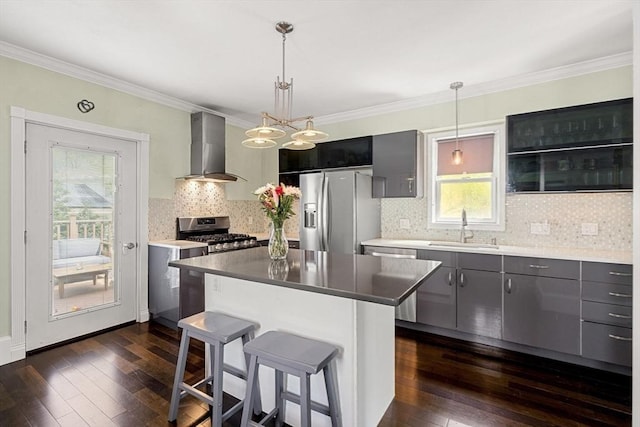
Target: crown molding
(514, 82)
(30, 57)
(62, 67)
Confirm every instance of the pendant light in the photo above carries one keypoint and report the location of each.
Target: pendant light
(273, 125)
(456, 155)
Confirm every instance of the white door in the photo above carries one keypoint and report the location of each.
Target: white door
(81, 219)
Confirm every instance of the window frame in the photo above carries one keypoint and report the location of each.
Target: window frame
(498, 180)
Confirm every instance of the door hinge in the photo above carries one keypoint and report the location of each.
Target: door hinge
(25, 327)
(25, 237)
(25, 146)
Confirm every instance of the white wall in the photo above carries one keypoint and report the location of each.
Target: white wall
(636, 216)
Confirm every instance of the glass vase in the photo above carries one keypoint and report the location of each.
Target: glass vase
(278, 244)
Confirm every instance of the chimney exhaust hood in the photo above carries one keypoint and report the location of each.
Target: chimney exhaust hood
(208, 149)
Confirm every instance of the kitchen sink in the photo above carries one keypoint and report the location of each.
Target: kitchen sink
(464, 245)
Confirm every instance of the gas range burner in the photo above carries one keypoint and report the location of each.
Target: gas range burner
(225, 241)
(214, 231)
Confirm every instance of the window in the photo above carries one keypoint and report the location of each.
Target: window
(477, 185)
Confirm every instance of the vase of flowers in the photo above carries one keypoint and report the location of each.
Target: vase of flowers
(277, 203)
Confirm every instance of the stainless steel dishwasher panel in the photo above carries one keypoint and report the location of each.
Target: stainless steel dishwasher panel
(164, 283)
(407, 309)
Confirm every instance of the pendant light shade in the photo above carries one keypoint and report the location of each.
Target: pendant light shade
(309, 134)
(298, 144)
(259, 143)
(456, 155)
(265, 131)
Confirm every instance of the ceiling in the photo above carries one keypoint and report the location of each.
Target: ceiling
(344, 56)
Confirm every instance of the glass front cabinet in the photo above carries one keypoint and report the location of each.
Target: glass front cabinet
(581, 148)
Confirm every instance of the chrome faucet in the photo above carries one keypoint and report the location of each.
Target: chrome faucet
(464, 234)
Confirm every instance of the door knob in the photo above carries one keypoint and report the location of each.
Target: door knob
(129, 245)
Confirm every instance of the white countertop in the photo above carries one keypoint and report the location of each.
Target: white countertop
(179, 244)
(618, 257)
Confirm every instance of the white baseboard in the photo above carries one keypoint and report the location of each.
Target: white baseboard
(5, 350)
(10, 354)
(144, 316)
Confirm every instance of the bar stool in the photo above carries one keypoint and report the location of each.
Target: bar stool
(215, 329)
(294, 355)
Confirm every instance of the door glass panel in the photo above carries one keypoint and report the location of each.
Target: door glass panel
(83, 188)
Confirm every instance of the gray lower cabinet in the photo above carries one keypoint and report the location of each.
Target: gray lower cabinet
(464, 294)
(479, 303)
(541, 310)
(436, 298)
(607, 296)
(578, 308)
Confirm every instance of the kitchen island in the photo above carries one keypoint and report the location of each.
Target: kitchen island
(346, 300)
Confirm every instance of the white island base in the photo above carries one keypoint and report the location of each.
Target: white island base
(363, 331)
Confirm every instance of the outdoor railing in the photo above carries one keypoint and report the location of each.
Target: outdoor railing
(74, 228)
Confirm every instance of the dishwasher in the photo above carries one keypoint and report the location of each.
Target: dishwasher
(168, 301)
(407, 309)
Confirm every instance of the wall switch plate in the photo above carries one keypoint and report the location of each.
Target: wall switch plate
(589, 228)
(404, 223)
(540, 228)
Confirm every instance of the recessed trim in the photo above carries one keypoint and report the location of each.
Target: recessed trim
(470, 91)
(34, 58)
(580, 68)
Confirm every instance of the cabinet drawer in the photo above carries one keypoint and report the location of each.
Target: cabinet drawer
(606, 343)
(448, 259)
(544, 267)
(604, 292)
(610, 314)
(480, 262)
(608, 273)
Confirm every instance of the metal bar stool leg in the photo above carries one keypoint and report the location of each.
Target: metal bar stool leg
(257, 400)
(280, 398)
(331, 383)
(252, 386)
(180, 366)
(217, 351)
(305, 400)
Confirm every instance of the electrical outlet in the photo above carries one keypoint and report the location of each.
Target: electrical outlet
(589, 228)
(404, 223)
(250, 220)
(540, 228)
(215, 284)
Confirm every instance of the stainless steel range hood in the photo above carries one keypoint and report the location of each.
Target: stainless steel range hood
(208, 149)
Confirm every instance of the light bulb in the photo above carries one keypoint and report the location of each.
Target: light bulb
(456, 157)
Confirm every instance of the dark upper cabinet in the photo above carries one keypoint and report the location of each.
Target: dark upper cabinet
(345, 153)
(580, 148)
(397, 166)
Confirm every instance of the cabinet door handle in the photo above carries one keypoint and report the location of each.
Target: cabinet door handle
(616, 294)
(619, 338)
(617, 273)
(619, 316)
(507, 286)
(450, 278)
(539, 267)
(461, 279)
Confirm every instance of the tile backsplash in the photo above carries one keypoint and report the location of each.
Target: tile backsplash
(198, 198)
(564, 213)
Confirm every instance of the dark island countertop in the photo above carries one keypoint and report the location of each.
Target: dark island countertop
(379, 280)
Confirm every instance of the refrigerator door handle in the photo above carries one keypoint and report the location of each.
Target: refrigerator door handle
(324, 235)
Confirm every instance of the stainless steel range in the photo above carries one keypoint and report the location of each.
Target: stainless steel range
(177, 293)
(214, 231)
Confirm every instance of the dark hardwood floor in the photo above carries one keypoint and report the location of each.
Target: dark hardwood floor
(124, 378)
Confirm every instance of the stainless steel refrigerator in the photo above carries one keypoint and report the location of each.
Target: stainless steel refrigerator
(337, 211)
